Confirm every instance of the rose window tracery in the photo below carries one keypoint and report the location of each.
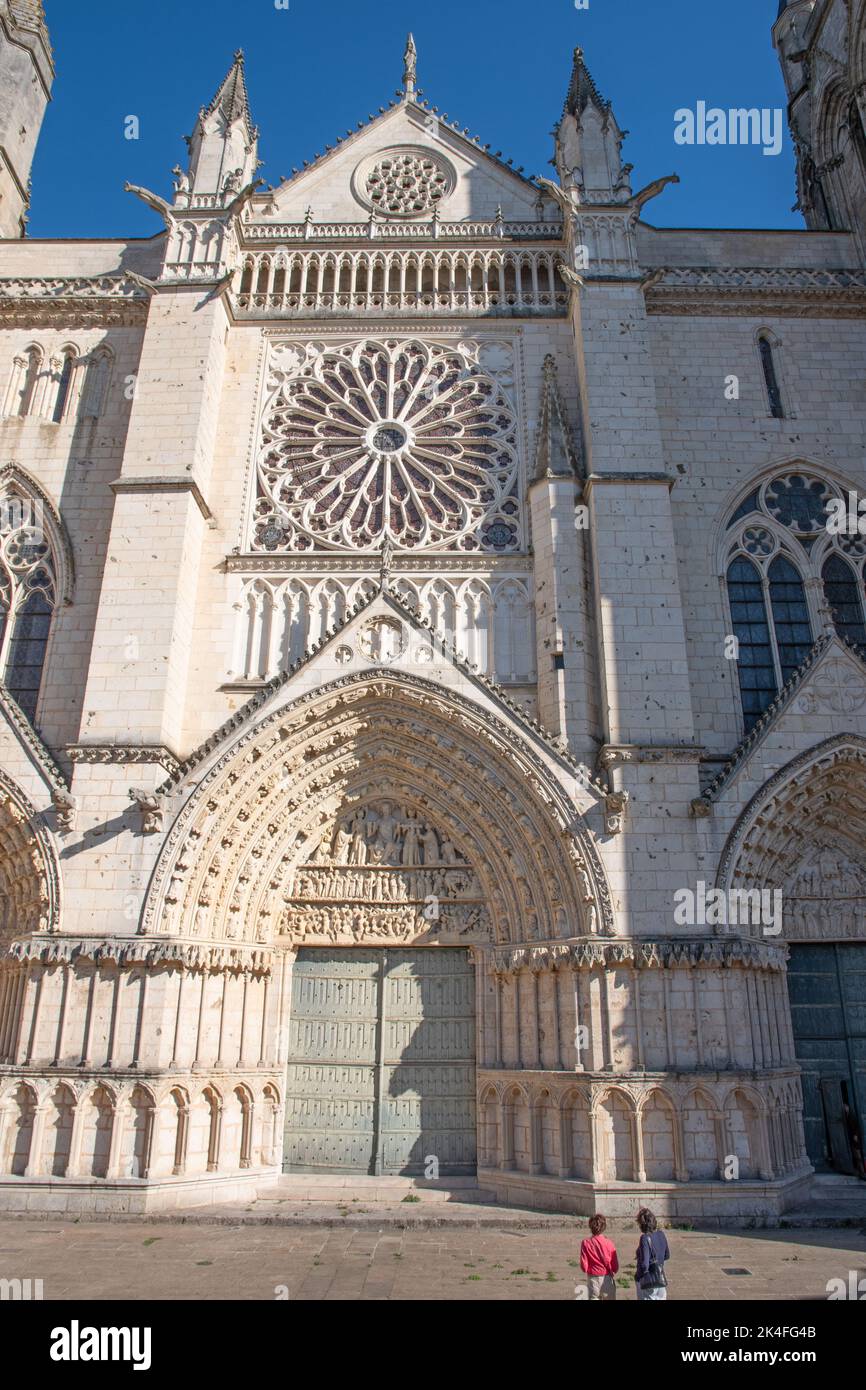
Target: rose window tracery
(405, 184)
(407, 441)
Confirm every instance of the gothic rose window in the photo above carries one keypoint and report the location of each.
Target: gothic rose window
(407, 441)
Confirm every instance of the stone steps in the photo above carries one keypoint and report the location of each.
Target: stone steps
(355, 1189)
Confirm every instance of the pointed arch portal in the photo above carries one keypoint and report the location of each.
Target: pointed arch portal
(381, 836)
(803, 834)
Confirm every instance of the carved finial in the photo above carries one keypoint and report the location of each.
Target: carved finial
(410, 67)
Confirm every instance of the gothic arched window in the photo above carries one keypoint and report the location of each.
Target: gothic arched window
(790, 616)
(26, 654)
(771, 379)
(21, 393)
(844, 597)
(96, 384)
(28, 595)
(786, 565)
(756, 666)
(64, 386)
(857, 134)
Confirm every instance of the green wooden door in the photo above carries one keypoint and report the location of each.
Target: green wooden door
(381, 1068)
(827, 988)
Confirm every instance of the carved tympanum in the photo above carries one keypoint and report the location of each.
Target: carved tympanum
(384, 872)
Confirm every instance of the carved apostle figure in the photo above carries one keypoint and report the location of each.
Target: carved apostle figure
(411, 842)
(358, 849)
(342, 844)
(389, 835)
(430, 845)
(449, 851)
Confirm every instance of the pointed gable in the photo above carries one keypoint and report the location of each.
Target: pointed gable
(414, 144)
(556, 456)
(824, 698)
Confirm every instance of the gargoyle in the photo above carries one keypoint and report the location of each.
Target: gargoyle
(238, 204)
(567, 198)
(153, 200)
(651, 191)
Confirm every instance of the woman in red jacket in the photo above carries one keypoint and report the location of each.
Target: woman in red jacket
(598, 1260)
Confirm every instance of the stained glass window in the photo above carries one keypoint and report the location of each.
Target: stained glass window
(842, 593)
(790, 616)
(26, 656)
(774, 395)
(407, 441)
(755, 665)
(27, 596)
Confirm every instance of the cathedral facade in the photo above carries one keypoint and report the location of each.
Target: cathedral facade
(432, 701)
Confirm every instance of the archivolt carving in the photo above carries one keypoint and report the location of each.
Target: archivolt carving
(308, 826)
(804, 833)
(29, 880)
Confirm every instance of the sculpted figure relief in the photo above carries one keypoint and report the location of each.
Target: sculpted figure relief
(384, 873)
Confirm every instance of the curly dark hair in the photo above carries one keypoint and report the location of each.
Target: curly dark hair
(647, 1221)
(597, 1224)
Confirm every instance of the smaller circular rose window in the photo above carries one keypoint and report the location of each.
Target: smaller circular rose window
(382, 639)
(404, 182)
(390, 439)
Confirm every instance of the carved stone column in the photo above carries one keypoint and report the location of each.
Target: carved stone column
(499, 984)
(566, 1157)
(536, 1139)
(7, 1111)
(681, 1171)
(149, 1136)
(638, 1164)
(246, 986)
(181, 1140)
(115, 1155)
(37, 1139)
(73, 1166)
(215, 1135)
(506, 1136)
(596, 1140)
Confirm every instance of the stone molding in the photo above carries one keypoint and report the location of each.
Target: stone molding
(79, 302)
(129, 753)
(165, 484)
(806, 293)
(369, 564)
(373, 229)
(659, 954)
(125, 954)
(32, 742)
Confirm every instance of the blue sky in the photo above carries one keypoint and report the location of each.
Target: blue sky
(319, 67)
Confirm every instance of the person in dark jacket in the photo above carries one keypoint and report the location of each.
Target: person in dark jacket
(652, 1255)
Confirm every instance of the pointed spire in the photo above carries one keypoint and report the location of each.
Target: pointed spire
(410, 67)
(588, 152)
(232, 99)
(556, 456)
(223, 155)
(582, 89)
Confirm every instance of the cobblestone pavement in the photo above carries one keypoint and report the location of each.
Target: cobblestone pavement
(162, 1261)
